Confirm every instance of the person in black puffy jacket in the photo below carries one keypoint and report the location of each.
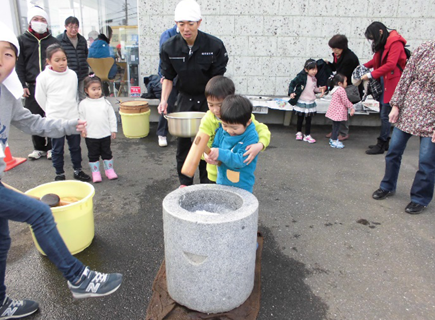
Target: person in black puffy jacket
(76, 48)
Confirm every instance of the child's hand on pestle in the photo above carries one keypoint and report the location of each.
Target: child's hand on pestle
(208, 160)
(214, 154)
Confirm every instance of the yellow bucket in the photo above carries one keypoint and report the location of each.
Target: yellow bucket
(75, 221)
(135, 125)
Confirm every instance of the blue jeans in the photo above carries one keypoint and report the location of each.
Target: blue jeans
(384, 111)
(18, 207)
(385, 123)
(423, 185)
(75, 151)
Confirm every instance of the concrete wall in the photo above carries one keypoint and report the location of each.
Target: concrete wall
(269, 40)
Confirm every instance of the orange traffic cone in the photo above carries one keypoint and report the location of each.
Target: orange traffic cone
(10, 161)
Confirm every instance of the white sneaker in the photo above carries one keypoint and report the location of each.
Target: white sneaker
(162, 141)
(36, 154)
(49, 155)
(309, 139)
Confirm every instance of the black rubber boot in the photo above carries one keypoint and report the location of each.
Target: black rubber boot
(387, 145)
(374, 145)
(379, 148)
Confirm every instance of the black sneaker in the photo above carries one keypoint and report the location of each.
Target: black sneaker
(81, 176)
(59, 177)
(95, 284)
(414, 208)
(381, 194)
(12, 309)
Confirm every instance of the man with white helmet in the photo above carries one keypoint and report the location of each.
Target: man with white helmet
(195, 57)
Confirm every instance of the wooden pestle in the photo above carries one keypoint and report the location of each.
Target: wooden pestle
(194, 156)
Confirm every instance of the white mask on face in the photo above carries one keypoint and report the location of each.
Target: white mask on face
(39, 27)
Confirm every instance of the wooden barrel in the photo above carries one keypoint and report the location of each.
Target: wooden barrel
(135, 106)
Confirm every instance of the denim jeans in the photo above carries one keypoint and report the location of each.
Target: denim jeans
(423, 185)
(385, 123)
(18, 207)
(384, 111)
(74, 150)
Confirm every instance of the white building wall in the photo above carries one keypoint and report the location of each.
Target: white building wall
(269, 40)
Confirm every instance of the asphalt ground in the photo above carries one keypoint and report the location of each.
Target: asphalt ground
(330, 250)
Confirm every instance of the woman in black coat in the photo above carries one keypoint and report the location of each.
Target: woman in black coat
(344, 61)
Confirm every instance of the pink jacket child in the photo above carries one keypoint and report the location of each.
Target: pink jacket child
(337, 110)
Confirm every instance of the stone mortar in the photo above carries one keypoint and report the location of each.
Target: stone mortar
(210, 256)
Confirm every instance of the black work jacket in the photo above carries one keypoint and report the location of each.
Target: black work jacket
(209, 58)
(31, 61)
(345, 65)
(76, 56)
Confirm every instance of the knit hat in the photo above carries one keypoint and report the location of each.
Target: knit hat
(6, 34)
(187, 10)
(37, 11)
(12, 82)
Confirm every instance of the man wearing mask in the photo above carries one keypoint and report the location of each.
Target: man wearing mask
(76, 48)
(30, 64)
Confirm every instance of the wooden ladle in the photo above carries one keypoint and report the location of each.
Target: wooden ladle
(50, 199)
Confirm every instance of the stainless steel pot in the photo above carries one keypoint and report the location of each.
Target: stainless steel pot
(184, 124)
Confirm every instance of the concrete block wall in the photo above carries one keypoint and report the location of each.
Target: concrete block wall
(269, 40)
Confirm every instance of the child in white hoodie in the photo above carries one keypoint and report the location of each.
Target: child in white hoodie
(101, 128)
(56, 94)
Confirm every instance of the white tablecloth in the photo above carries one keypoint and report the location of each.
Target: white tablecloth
(261, 104)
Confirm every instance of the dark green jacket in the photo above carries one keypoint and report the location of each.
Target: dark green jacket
(297, 85)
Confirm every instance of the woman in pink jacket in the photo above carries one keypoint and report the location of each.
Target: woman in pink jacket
(388, 62)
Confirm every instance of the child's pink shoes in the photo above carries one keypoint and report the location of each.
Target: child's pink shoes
(299, 136)
(95, 169)
(108, 167)
(309, 139)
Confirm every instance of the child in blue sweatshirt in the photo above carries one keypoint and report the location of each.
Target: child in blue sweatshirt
(235, 133)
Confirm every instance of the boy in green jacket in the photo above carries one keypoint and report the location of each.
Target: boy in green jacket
(216, 90)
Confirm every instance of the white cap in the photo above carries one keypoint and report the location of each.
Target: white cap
(12, 82)
(37, 11)
(6, 34)
(187, 10)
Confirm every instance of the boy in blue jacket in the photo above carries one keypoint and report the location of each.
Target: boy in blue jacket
(235, 133)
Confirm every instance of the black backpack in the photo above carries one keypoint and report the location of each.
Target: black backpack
(408, 55)
(154, 87)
